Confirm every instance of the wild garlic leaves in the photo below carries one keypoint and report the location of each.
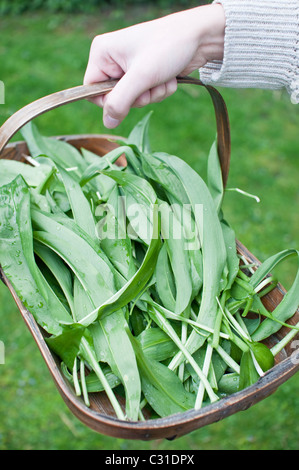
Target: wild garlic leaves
(134, 273)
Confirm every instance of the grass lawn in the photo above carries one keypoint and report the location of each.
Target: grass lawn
(44, 53)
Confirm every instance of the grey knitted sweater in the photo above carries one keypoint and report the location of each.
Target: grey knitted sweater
(261, 47)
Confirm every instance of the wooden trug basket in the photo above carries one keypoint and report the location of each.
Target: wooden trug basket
(100, 416)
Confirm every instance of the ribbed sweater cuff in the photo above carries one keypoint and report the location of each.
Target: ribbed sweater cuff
(261, 46)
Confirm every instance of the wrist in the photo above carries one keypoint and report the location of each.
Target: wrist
(210, 31)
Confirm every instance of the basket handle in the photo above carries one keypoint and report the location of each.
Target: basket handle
(15, 122)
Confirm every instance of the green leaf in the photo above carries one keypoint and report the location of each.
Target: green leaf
(158, 171)
(17, 258)
(90, 268)
(114, 239)
(288, 305)
(165, 285)
(67, 344)
(248, 373)
(58, 268)
(161, 387)
(59, 151)
(16, 225)
(213, 247)
(80, 206)
(210, 232)
(140, 199)
(139, 135)
(136, 284)
(95, 167)
(263, 355)
(229, 383)
(215, 181)
(172, 233)
(233, 261)
(94, 385)
(10, 169)
(113, 346)
(156, 344)
(157, 316)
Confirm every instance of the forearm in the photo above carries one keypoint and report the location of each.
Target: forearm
(207, 23)
(261, 47)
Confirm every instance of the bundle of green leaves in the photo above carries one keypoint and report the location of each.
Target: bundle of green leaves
(133, 273)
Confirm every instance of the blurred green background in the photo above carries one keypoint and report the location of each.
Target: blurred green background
(43, 51)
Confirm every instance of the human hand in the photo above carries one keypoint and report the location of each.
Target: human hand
(147, 58)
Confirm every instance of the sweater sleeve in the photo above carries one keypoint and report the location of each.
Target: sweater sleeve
(261, 47)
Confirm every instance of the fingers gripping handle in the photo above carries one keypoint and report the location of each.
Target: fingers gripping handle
(60, 98)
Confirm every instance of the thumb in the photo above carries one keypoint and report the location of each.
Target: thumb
(120, 100)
